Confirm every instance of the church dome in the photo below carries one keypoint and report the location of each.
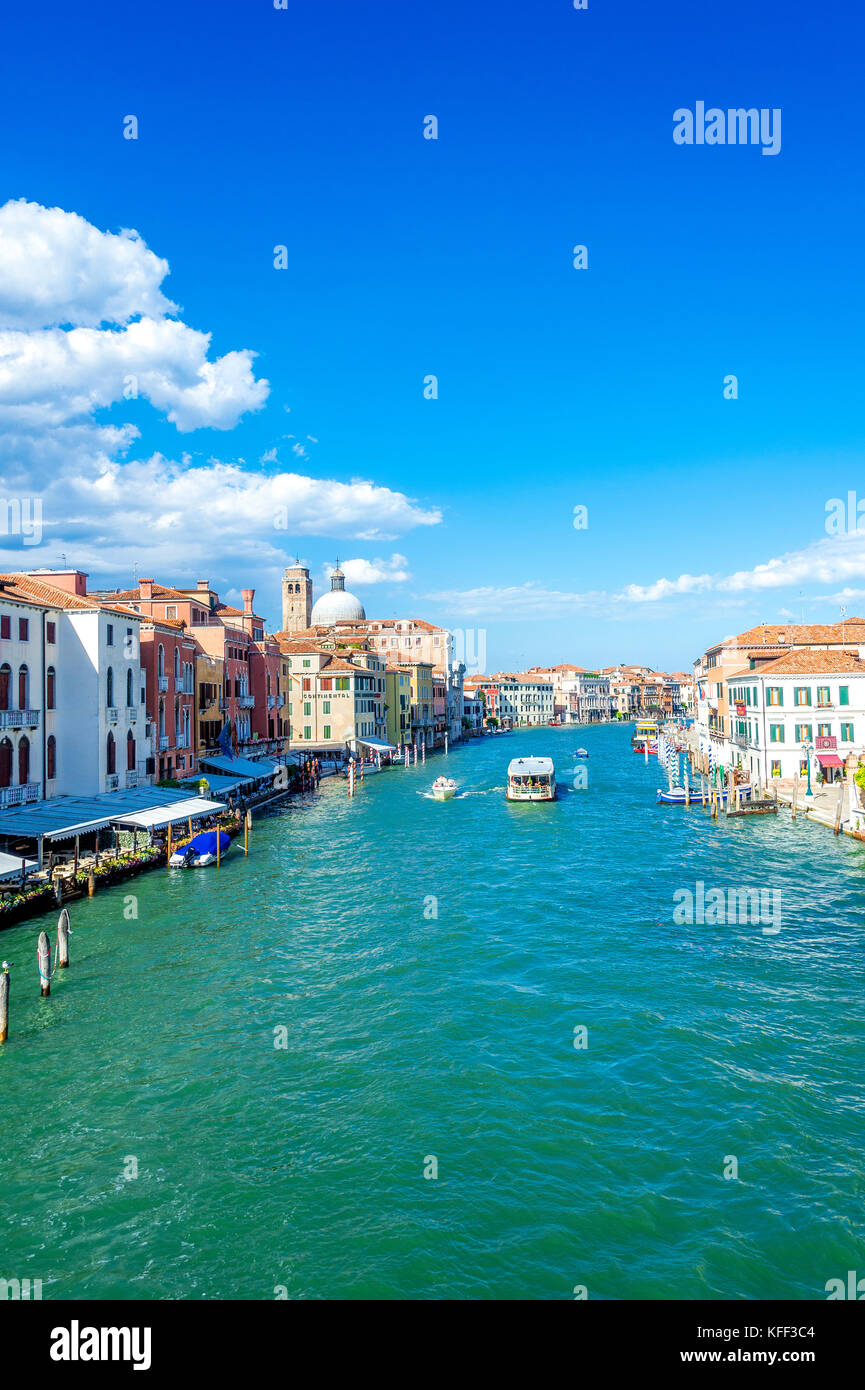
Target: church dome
(339, 606)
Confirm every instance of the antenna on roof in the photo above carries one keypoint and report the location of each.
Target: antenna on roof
(62, 558)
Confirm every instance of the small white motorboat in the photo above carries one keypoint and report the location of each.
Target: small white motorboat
(444, 788)
(201, 850)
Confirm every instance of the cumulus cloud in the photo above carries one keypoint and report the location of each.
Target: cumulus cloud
(360, 571)
(57, 268)
(83, 326)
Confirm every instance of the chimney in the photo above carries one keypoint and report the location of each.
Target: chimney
(145, 589)
(203, 585)
(70, 581)
(248, 595)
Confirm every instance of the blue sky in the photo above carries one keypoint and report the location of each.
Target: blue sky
(407, 257)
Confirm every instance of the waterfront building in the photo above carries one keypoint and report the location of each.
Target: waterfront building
(84, 678)
(168, 654)
(209, 701)
(718, 663)
(336, 697)
(473, 716)
(422, 720)
(803, 710)
(398, 705)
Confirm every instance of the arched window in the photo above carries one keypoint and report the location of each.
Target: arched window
(109, 697)
(51, 757)
(23, 687)
(51, 688)
(130, 752)
(162, 719)
(24, 761)
(160, 660)
(111, 752)
(176, 664)
(6, 763)
(5, 681)
(129, 689)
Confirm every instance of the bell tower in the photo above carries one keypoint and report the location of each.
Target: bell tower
(296, 599)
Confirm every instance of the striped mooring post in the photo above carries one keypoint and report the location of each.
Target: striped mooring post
(63, 941)
(43, 956)
(4, 1001)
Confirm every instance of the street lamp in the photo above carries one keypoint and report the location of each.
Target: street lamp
(808, 749)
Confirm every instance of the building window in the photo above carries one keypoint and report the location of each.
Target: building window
(109, 687)
(51, 688)
(843, 694)
(23, 629)
(306, 662)
(803, 733)
(802, 695)
(171, 610)
(846, 733)
(5, 763)
(109, 635)
(327, 731)
(23, 687)
(130, 751)
(176, 664)
(5, 626)
(51, 758)
(307, 731)
(160, 660)
(822, 695)
(307, 707)
(130, 693)
(803, 767)
(325, 706)
(774, 695)
(110, 754)
(776, 733)
(24, 761)
(5, 680)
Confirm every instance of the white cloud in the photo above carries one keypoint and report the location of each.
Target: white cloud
(61, 280)
(392, 571)
(57, 268)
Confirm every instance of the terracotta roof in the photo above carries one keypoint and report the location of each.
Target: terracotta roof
(796, 634)
(49, 596)
(159, 592)
(808, 663)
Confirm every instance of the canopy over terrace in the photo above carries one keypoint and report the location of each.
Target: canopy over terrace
(10, 868)
(69, 817)
(160, 816)
(243, 768)
(378, 745)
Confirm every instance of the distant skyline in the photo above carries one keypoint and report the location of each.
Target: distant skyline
(180, 404)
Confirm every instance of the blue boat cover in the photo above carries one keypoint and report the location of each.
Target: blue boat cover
(205, 842)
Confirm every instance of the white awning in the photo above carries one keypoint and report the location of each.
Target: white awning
(159, 816)
(10, 867)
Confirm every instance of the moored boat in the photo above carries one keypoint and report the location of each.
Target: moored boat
(675, 796)
(531, 779)
(444, 788)
(581, 753)
(201, 850)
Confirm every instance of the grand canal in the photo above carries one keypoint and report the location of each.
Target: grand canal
(280, 1048)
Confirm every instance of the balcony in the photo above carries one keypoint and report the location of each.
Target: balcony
(132, 713)
(280, 701)
(132, 779)
(271, 701)
(17, 796)
(163, 742)
(161, 682)
(246, 702)
(111, 782)
(111, 714)
(19, 718)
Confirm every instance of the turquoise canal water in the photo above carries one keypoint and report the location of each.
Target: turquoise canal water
(410, 1036)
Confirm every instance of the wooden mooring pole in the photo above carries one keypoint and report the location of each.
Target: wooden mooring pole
(795, 795)
(43, 956)
(63, 941)
(247, 826)
(4, 1003)
(838, 808)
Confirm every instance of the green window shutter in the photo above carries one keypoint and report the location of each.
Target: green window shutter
(843, 694)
